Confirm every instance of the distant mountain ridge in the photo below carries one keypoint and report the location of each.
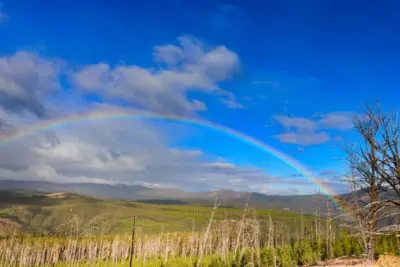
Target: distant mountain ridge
(297, 203)
(120, 191)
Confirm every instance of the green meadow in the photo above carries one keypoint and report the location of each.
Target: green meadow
(53, 215)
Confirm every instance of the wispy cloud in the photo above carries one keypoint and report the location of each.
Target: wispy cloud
(233, 104)
(273, 84)
(297, 175)
(305, 131)
(336, 120)
(298, 123)
(327, 172)
(304, 139)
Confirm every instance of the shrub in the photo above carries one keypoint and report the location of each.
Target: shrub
(356, 248)
(267, 257)
(304, 253)
(285, 256)
(346, 242)
(338, 248)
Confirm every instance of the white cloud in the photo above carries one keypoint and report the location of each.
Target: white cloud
(192, 66)
(231, 103)
(198, 105)
(339, 121)
(169, 54)
(327, 172)
(305, 139)
(303, 131)
(274, 84)
(299, 123)
(220, 165)
(124, 151)
(129, 151)
(91, 77)
(25, 80)
(235, 180)
(44, 172)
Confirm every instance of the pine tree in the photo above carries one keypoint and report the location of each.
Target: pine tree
(338, 248)
(267, 257)
(346, 241)
(285, 256)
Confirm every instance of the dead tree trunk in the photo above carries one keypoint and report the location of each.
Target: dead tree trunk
(329, 251)
(365, 162)
(132, 250)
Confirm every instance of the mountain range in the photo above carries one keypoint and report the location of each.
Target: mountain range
(307, 204)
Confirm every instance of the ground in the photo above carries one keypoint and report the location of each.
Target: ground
(384, 261)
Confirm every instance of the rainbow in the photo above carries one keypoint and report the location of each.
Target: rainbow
(113, 114)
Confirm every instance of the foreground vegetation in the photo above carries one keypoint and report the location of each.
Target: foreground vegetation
(71, 230)
(183, 249)
(54, 214)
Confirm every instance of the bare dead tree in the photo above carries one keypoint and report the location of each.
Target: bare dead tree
(217, 203)
(270, 229)
(389, 163)
(242, 223)
(365, 163)
(386, 151)
(329, 251)
(353, 208)
(132, 248)
(316, 222)
(302, 225)
(360, 212)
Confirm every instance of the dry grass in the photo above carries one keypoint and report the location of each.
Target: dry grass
(29, 251)
(389, 261)
(8, 226)
(384, 261)
(59, 195)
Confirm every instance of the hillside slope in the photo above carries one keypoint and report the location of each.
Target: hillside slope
(296, 203)
(56, 214)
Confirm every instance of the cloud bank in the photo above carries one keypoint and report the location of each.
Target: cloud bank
(33, 89)
(189, 66)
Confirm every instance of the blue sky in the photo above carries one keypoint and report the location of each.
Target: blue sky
(289, 73)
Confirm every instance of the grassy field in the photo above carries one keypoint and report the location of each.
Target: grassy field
(64, 229)
(54, 214)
